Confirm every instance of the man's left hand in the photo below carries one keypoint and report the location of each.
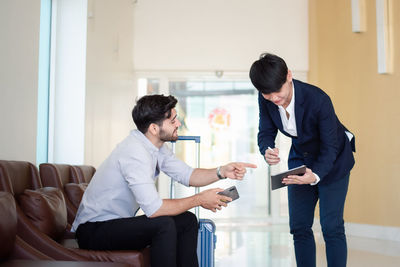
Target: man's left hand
(307, 178)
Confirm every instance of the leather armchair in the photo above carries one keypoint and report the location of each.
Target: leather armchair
(59, 175)
(12, 246)
(82, 173)
(72, 180)
(75, 193)
(16, 177)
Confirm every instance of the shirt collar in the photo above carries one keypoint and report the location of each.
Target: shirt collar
(146, 142)
(290, 107)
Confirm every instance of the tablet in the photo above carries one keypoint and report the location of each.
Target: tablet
(276, 180)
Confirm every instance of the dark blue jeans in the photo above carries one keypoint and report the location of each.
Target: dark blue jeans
(302, 201)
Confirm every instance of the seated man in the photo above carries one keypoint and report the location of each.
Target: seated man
(125, 182)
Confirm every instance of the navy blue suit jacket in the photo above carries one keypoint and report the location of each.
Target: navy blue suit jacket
(321, 143)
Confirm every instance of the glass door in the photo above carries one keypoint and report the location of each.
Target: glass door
(224, 113)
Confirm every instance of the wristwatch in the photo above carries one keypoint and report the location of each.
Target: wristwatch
(219, 174)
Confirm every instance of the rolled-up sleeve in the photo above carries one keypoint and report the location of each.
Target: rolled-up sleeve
(175, 168)
(139, 175)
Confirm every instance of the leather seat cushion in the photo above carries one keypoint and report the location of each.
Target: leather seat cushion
(133, 257)
(45, 207)
(52, 263)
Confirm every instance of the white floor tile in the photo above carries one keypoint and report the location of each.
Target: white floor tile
(253, 243)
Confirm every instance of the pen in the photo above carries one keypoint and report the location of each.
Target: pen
(270, 149)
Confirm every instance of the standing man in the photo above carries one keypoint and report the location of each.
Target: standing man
(305, 113)
(125, 182)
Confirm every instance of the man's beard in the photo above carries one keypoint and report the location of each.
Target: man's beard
(165, 137)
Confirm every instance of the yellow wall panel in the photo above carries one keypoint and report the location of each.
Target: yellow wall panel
(344, 64)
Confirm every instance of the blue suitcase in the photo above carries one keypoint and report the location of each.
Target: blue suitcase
(206, 242)
(207, 239)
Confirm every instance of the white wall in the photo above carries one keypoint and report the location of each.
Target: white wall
(218, 34)
(19, 51)
(125, 38)
(110, 93)
(159, 37)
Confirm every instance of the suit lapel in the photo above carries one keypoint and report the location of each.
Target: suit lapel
(298, 106)
(276, 117)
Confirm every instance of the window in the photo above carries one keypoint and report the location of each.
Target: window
(43, 82)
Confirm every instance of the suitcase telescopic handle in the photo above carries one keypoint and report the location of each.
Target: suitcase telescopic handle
(196, 139)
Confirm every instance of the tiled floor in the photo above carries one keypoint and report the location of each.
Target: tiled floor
(261, 244)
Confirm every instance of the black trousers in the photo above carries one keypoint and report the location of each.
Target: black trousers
(172, 239)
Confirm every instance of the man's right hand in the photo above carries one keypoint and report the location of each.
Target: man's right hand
(209, 199)
(272, 156)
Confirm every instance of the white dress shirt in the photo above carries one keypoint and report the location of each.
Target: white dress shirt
(289, 125)
(125, 181)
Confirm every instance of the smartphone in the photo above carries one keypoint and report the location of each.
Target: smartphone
(230, 192)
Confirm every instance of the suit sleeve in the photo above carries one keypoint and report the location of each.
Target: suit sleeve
(267, 131)
(328, 147)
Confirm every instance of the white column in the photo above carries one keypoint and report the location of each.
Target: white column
(68, 82)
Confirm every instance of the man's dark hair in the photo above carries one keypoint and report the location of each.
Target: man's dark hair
(152, 109)
(268, 73)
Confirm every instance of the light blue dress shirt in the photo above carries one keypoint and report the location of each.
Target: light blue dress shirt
(125, 181)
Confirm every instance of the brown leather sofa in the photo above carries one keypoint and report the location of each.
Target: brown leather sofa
(41, 214)
(15, 252)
